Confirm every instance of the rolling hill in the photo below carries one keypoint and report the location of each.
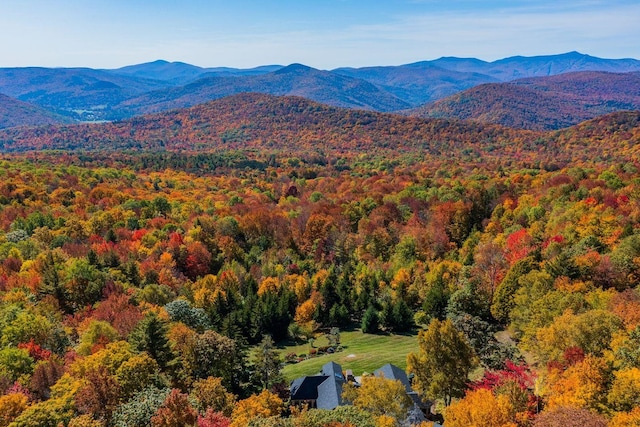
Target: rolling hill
(266, 123)
(542, 103)
(14, 113)
(296, 79)
(247, 121)
(79, 93)
(427, 81)
(173, 72)
(258, 123)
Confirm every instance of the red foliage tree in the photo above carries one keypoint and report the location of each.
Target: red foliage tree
(176, 411)
(213, 419)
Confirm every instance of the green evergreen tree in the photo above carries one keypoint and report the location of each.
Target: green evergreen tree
(503, 301)
(52, 283)
(267, 362)
(402, 316)
(370, 320)
(338, 315)
(436, 300)
(150, 335)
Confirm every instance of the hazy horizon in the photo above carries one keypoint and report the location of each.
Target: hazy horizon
(335, 33)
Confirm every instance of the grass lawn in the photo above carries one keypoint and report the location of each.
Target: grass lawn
(361, 353)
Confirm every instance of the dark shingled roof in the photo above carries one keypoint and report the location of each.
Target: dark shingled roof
(332, 369)
(418, 401)
(392, 372)
(330, 393)
(306, 388)
(325, 389)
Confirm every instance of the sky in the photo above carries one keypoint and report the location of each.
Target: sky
(324, 34)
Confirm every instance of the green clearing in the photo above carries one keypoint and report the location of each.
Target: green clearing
(361, 353)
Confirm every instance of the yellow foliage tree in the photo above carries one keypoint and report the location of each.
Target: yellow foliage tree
(206, 290)
(209, 393)
(58, 409)
(299, 285)
(386, 421)
(84, 421)
(582, 385)
(12, 405)
(480, 408)
(443, 364)
(305, 312)
(625, 390)
(111, 357)
(626, 419)
(137, 372)
(269, 285)
(402, 278)
(182, 340)
(592, 331)
(380, 397)
(263, 405)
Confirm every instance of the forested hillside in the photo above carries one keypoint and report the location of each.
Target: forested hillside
(262, 122)
(14, 113)
(541, 103)
(143, 263)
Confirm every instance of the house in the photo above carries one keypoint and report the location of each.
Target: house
(322, 391)
(392, 372)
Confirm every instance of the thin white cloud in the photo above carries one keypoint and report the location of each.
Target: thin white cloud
(489, 35)
(495, 34)
(459, 28)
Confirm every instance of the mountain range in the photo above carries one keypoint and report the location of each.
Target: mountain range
(296, 79)
(264, 123)
(445, 87)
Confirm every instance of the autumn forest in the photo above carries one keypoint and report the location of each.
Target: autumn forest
(150, 268)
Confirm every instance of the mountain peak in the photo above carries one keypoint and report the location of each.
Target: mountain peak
(294, 68)
(573, 53)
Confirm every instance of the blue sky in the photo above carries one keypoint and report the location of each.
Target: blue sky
(320, 33)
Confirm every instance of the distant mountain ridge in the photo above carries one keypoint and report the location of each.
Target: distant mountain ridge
(84, 94)
(517, 67)
(181, 73)
(541, 103)
(295, 79)
(418, 83)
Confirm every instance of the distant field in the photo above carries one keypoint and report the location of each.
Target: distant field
(362, 353)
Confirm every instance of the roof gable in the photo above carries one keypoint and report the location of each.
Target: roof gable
(333, 369)
(306, 388)
(392, 372)
(330, 393)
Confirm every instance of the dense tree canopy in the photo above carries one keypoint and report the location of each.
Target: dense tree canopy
(133, 282)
